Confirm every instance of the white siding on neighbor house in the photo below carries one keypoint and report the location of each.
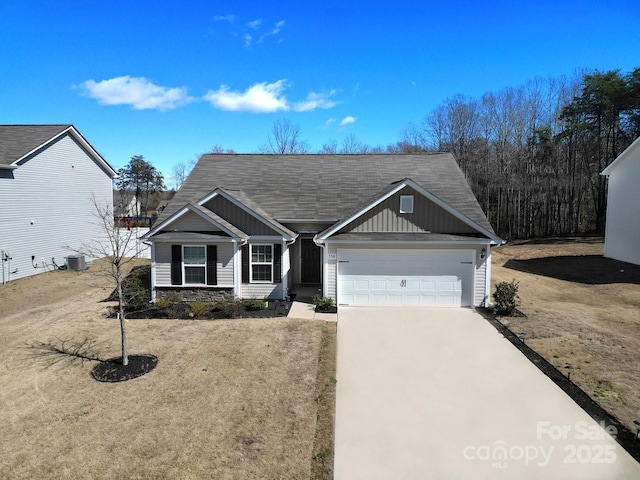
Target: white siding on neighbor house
(47, 205)
(224, 270)
(622, 232)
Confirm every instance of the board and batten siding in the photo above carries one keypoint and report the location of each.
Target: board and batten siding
(224, 264)
(192, 222)
(426, 217)
(47, 204)
(237, 216)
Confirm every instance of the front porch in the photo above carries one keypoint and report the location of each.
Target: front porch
(304, 293)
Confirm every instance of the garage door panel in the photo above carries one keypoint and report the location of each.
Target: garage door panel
(405, 277)
(381, 284)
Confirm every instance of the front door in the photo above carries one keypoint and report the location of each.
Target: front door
(310, 261)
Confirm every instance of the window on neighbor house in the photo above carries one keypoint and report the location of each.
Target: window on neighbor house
(406, 203)
(261, 263)
(194, 259)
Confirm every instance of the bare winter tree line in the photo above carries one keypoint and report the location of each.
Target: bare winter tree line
(532, 154)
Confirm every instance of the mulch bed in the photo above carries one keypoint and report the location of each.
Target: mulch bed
(625, 437)
(275, 309)
(113, 370)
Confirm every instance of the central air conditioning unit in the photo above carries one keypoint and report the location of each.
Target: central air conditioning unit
(76, 262)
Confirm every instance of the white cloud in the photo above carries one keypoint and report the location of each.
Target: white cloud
(347, 120)
(225, 18)
(266, 97)
(314, 101)
(259, 98)
(330, 121)
(255, 23)
(138, 92)
(247, 40)
(274, 31)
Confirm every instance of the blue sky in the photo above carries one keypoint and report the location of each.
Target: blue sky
(168, 80)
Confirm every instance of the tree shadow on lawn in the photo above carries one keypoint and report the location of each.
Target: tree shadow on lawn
(587, 269)
(107, 370)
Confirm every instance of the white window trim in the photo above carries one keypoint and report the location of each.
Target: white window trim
(404, 208)
(251, 263)
(184, 265)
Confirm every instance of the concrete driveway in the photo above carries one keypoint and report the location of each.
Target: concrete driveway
(438, 393)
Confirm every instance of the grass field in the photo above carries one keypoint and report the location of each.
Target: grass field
(583, 315)
(228, 399)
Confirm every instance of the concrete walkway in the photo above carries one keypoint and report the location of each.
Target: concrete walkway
(307, 311)
(440, 394)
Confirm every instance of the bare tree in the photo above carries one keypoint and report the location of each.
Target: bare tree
(179, 174)
(116, 249)
(217, 148)
(285, 139)
(352, 145)
(329, 148)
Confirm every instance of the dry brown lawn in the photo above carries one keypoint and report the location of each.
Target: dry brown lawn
(230, 399)
(583, 316)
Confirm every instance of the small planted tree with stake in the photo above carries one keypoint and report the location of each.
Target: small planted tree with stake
(116, 248)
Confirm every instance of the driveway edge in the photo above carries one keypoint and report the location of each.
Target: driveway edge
(625, 437)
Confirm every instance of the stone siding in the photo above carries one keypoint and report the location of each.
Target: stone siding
(196, 294)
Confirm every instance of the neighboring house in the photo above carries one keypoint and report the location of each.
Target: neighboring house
(48, 175)
(125, 204)
(368, 229)
(622, 232)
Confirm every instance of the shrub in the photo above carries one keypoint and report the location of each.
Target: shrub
(136, 288)
(199, 309)
(170, 303)
(254, 305)
(230, 308)
(506, 298)
(322, 303)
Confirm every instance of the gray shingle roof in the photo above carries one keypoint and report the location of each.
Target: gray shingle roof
(325, 187)
(18, 140)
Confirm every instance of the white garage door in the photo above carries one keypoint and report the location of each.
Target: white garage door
(405, 277)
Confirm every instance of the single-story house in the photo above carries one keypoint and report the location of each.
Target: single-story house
(367, 229)
(622, 229)
(48, 174)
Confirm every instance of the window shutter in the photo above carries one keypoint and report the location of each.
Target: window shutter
(277, 263)
(176, 264)
(212, 264)
(245, 263)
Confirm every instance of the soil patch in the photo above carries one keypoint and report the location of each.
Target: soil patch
(113, 370)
